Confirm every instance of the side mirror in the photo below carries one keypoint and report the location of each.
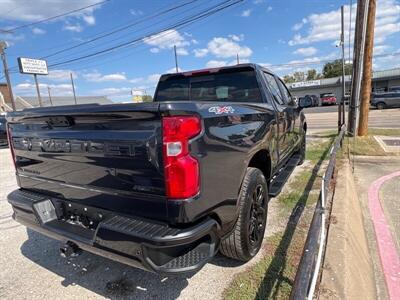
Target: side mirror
(305, 102)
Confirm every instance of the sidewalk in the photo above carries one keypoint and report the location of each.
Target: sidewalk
(362, 260)
(348, 269)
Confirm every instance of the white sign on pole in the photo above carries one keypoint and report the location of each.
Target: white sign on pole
(32, 66)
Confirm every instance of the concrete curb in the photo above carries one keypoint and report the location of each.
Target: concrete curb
(348, 269)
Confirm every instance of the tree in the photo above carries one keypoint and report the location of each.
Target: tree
(289, 79)
(311, 74)
(299, 76)
(334, 69)
(147, 98)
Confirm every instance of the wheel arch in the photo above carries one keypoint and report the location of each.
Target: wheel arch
(262, 160)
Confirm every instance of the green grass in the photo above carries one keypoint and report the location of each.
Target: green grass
(303, 178)
(367, 145)
(277, 283)
(317, 150)
(273, 276)
(384, 131)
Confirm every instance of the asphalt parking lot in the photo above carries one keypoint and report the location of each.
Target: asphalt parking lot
(33, 269)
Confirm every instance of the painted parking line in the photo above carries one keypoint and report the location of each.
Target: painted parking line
(389, 257)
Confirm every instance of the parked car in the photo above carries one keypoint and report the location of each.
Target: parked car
(315, 100)
(386, 100)
(328, 99)
(161, 185)
(3, 131)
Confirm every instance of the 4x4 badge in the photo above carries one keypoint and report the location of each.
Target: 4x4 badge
(221, 110)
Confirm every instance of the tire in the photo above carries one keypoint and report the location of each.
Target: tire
(244, 242)
(302, 150)
(380, 105)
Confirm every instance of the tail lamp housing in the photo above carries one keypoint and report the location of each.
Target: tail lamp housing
(181, 169)
(11, 145)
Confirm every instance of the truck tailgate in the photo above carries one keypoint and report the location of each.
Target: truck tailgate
(106, 156)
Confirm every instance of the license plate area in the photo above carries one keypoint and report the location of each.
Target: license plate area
(45, 211)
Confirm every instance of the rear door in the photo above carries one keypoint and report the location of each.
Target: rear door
(283, 115)
(293, 112)
(107, 156)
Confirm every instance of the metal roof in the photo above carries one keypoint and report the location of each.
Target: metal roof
(377, 75)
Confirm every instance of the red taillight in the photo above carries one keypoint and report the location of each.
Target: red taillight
(182, 178)
(10, 145)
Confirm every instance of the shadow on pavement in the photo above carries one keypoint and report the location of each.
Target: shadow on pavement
(100, 275)
(274, 277)
(105, 277)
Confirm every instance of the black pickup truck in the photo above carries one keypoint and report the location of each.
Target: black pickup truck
(163, 185)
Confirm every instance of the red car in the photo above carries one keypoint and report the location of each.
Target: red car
(328, 99)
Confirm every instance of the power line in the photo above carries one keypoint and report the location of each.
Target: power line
(55, 17)
(163, 34)
(120, 29)
(208, 12)
(159, 13)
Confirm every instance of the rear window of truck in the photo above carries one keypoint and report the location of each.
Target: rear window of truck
(238, 86)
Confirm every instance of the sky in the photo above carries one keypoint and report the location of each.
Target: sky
(138, 39)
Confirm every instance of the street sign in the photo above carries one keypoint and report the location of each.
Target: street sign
(32, 66)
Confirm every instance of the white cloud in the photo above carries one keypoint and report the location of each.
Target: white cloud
(225, 47)
(98, 77)
(153, 78)
(380, 49)
(173, 70)
(301, 64)
(154, 50)
(297, 26)
(216, 63)
(37, 30)
(61, 75)
(308, 51)
(150, 79)
(269, 8)
(136, 12)
(326, 26)
(246, 13)
(75, 28)
(237, 38)
(256, 2)
(41, 9)
(200, 52)
(89, 19)
(123, 91)
(387, 61)
(27, 88)
(11, 38)
(182, 51)
(166, 40)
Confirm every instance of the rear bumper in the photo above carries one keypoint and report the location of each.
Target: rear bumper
(137, 242)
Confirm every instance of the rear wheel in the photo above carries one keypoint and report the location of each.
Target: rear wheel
(380, 105)
(245, 240)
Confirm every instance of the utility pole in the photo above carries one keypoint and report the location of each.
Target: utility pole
(367, 74)
(237, 58)
(358, 53)
(51, 102)
(176, 60)
(3, 46)
(73, 87)
(38, 90)
(341, 110)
